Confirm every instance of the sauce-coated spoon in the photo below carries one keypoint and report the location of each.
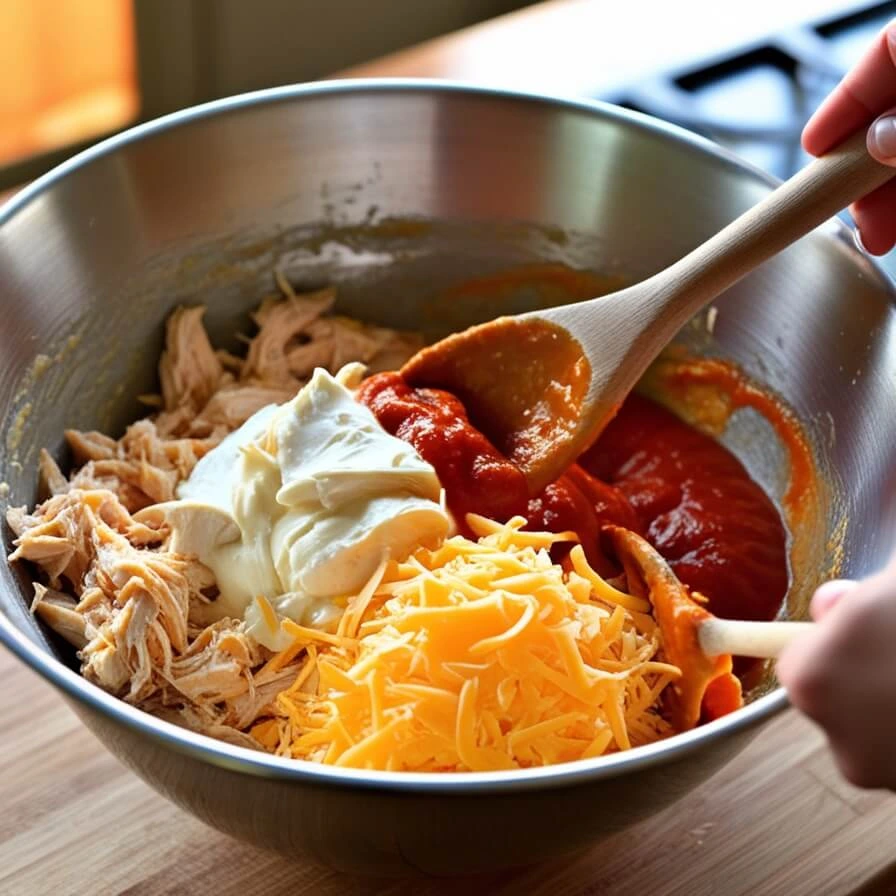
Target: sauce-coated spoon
(542, 385)
(699, 643)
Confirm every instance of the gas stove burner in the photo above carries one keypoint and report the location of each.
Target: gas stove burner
(764, 94)
(757, 100)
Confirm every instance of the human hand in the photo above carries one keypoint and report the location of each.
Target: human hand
(867, 93)
(843, 675)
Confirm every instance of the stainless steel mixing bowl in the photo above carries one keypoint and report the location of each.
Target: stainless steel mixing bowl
(395, 191)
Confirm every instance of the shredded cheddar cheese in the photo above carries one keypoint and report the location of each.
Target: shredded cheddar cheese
(479, 655)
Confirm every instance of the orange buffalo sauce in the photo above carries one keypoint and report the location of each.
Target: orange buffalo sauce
(478, 478)
(649, 472)
(709, 391)
(550, 280)
(698, 506)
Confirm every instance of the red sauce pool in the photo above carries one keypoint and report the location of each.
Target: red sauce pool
(475, 476)
(698, 507)
(649, 471)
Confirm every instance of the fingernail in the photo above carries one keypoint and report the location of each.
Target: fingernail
(828, 594)
(857, 237)
(882, 139)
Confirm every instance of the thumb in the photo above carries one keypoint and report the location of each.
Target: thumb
(828, 595)
(882, 138)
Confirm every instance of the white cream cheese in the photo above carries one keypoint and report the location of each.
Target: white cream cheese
(300, 505)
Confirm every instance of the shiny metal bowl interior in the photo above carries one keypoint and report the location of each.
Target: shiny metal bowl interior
(395, 191)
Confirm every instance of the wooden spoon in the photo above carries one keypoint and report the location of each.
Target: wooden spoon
(542, 385)
(676, 608)
(700, 644)
(762, 640)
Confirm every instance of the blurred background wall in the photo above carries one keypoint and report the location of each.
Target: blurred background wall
(745, 75)
(68, 72)
(76, 70)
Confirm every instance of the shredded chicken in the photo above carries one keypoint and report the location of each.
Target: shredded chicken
(189, 371)
(131, 607)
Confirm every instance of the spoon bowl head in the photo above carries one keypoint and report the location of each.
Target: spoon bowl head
(523, 381)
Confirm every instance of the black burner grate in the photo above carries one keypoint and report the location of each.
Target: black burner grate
(757, 100)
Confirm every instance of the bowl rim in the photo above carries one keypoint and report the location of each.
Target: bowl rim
(244, 760)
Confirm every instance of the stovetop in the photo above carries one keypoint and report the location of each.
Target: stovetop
(756, 99)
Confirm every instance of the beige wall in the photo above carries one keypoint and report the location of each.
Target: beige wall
(259, 44)
(195, 50)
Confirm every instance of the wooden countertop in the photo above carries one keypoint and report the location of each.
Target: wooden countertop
(778, 819)
(590, 47)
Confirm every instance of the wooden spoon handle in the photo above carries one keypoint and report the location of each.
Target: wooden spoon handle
(756, 639)
(819, 191)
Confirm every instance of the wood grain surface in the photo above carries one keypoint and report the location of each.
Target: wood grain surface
(776, 820)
